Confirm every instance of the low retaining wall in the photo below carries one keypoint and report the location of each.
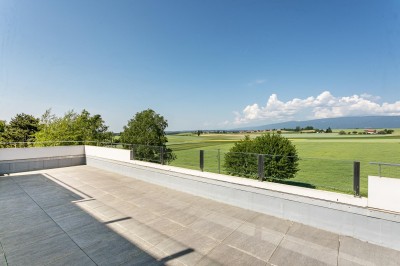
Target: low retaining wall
(15, 160)
(384, 193)
(352, 218)
(108, 153)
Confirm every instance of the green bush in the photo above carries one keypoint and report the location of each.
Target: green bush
(280, 157)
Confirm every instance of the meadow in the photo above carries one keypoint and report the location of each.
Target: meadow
(326, 159)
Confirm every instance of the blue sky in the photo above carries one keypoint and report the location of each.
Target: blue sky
(201, 64)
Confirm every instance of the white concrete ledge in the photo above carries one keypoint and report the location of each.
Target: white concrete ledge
(18, 166)
(384, 193)
(7, 154)
(15, 160)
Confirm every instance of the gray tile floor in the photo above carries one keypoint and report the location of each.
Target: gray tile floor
(85, 216)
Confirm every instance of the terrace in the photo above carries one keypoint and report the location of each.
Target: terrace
(107, 210)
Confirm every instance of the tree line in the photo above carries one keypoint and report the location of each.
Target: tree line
(308, 128)
(146, 128)
(53, 130)
(145, 135)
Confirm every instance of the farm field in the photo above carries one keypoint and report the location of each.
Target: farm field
(326, 160)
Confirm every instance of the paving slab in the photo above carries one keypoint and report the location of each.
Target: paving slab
(18, 206)
(226, 255)
(142, 259)
(355, 252)
(77, 219)
(180, 216)
(314, 236)
(8, 191)
(307, 245)
(269, 222)
(91, 234)
(112, 251)
(22, 220)
(191, 245)
(259, 242)
(12, 240)
(78, 258)
(141, 215)
(43, 251)
(62, 211)
(3, 261)
(216, 226)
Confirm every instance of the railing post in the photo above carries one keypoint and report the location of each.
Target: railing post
(162, 155)
(380, 170)
(260, 167)
(132, 153)
(219, 161)
(202, 160)
(356, 178)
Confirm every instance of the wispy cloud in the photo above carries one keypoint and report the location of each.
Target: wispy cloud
(256, 82)
(324, 105)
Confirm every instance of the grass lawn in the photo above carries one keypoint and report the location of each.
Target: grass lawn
(326, 160)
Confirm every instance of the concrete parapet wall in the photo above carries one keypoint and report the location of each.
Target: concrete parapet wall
(108, 153)
(15, 160)
(353, 218)
(384, 193)
(8, 154)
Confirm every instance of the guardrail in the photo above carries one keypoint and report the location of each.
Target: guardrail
(320, 173)
(63, 143)
(380, 164)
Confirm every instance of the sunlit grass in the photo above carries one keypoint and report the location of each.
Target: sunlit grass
(325, 163)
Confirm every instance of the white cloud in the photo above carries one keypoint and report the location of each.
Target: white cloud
(256, 82)
(324, 105)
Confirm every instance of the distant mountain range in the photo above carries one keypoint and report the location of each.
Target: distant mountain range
(339, 122)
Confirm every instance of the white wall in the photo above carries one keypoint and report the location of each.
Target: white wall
(108, 153)
(7, 154)
(384, 193)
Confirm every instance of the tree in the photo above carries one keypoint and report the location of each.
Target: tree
(22, 128)
(280, 157)
(2, 126)
(386, 131)
(72, 127)
(146, 131)
(328, 130)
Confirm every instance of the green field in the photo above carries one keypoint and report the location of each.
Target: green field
(326, 160)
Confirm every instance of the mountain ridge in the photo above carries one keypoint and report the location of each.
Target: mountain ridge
(335, 123)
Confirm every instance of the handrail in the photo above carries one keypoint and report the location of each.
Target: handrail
(57, 142)
(380, 166)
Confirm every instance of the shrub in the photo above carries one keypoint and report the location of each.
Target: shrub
(280, 157)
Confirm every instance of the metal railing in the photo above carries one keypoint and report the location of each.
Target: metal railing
(28, 144)
(394, 172)
(319, 173)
